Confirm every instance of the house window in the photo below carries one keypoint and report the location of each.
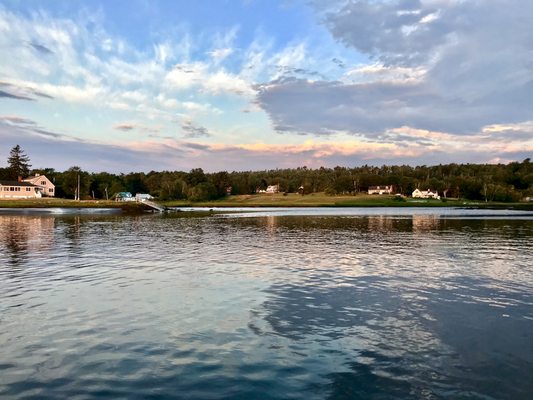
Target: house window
(51, 190)
(43, 183)
(28, 189)
(11, 189)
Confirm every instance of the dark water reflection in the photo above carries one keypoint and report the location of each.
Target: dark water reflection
(344, 307)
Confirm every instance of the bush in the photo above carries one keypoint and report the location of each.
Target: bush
(400, 199)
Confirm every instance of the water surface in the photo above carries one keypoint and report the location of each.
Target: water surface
(414, 304)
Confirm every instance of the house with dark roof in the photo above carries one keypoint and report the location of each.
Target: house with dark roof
(13, 190)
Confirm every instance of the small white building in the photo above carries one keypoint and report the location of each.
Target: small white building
(272, 189)
(387, 189)
(425, 194)
(143, 197)
(124, 196)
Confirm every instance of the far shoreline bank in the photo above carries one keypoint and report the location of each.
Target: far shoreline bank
(291, 200)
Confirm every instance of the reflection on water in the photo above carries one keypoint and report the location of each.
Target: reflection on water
(340, 307)
(21, 235)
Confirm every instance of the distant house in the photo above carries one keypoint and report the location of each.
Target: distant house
(425, 194)
(388, 189)
(19, 190)
(44, 185)
(269, 189)
(272, 189)
(143, 197)
(124, 196)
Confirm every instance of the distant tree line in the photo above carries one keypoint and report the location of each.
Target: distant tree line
(491, 182)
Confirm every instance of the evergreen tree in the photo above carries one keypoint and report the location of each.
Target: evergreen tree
(18, 163)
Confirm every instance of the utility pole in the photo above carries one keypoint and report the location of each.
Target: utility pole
(78, 190)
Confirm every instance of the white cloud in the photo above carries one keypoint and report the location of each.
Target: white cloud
(134, 95)
(185, 76)
(163, 52)
(219, 55)
(116, 105)
(223, 82)
(73, 94)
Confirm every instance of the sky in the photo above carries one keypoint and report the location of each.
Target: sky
(141, 85)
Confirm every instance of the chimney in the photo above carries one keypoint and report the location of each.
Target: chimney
(20, 178)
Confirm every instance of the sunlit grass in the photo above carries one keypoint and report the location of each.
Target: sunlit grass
(64, 203)
(323, 200)
(269, 200)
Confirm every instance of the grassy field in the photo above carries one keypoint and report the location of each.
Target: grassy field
(323, 200)
(268, 200)
(67, 203)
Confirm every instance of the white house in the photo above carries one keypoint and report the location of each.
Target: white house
(425, 194)
(270, 189)
(388, 189)
(44, 185)
(273, 189)
(143, 197)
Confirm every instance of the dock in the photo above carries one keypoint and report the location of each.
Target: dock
(154, 206)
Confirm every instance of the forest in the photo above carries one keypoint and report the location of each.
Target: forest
(490, 182)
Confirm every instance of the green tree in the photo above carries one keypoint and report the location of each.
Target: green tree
(195, 177)
(203, 191)
(69, 183)
(18, 163)
(221, 182)
(5, 174)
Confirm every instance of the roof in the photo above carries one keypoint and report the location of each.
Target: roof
(36, 178)
(16, 183)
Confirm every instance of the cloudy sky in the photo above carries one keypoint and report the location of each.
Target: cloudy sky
(142, 85)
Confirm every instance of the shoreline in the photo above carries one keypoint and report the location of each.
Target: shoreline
(317, 200)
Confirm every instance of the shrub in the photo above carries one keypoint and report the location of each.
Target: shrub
(400, 199)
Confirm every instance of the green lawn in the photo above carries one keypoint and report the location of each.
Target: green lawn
(68, 203)
(323, 200)
(269, 200)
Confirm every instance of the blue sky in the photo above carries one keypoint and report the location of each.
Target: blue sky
(236, 85)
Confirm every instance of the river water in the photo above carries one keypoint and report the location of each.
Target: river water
(276, 304)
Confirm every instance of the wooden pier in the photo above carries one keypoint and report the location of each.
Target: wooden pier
(154, 206)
